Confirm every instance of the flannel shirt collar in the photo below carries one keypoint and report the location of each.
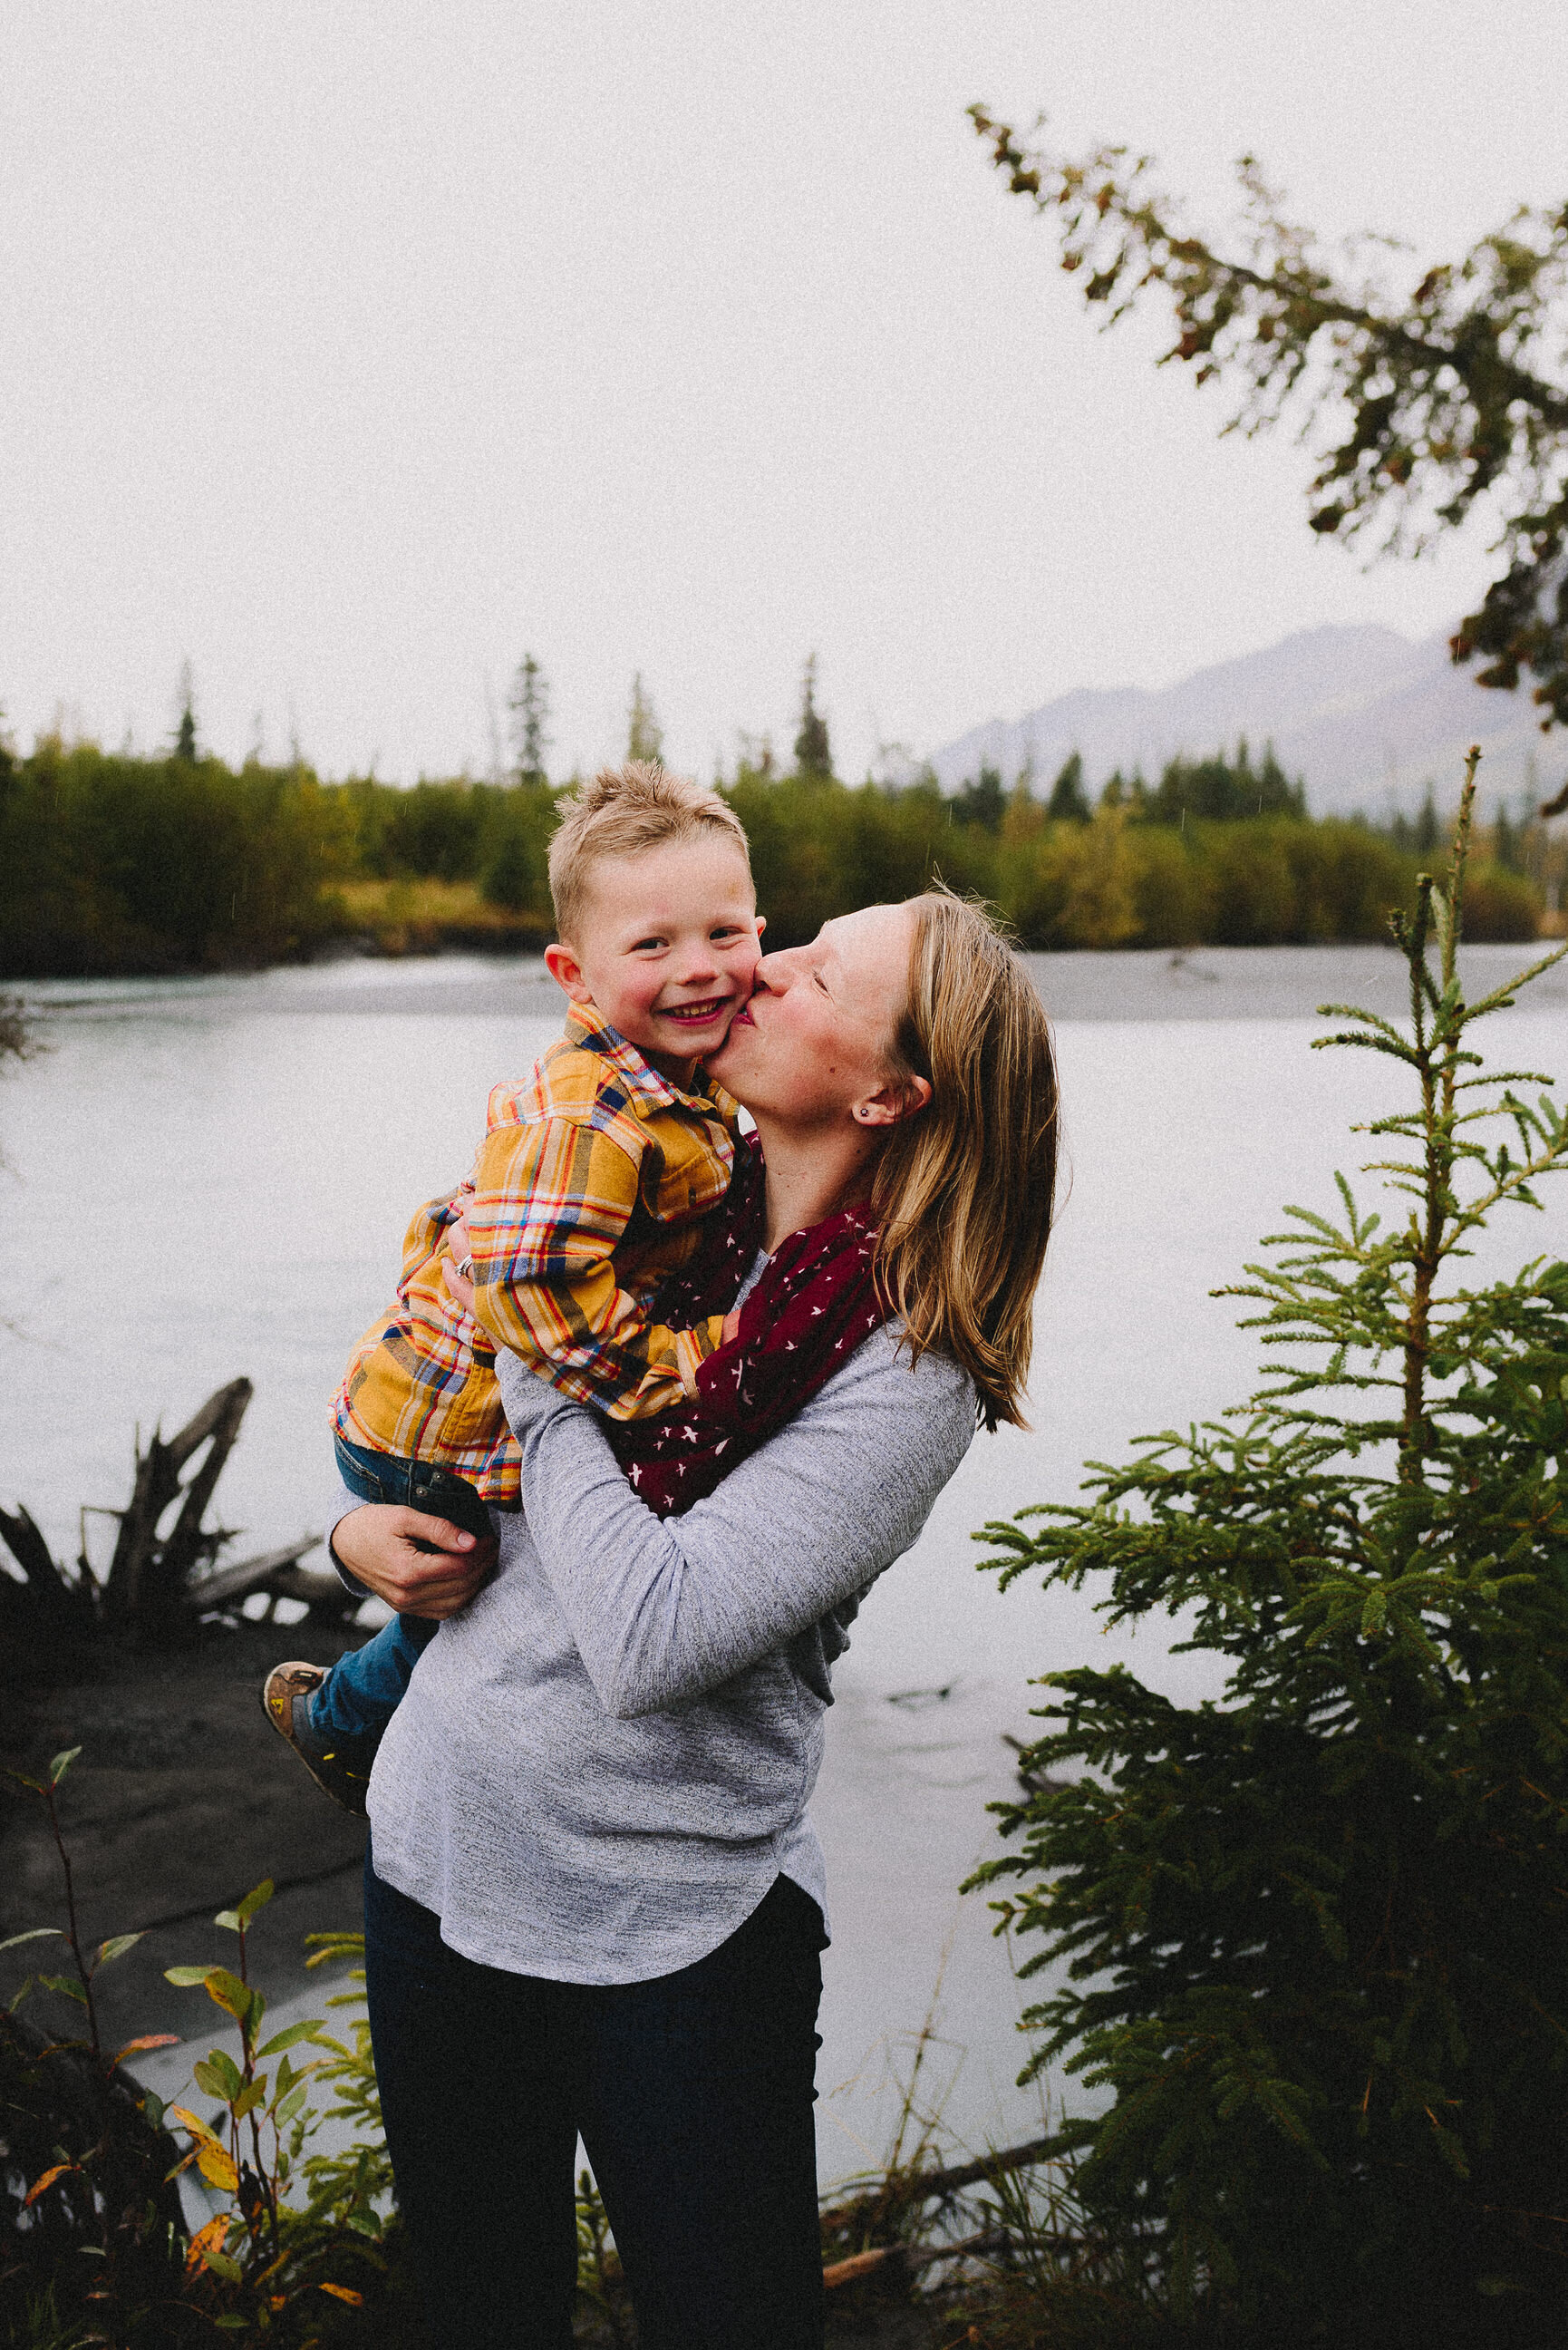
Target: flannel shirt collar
(647, 1089)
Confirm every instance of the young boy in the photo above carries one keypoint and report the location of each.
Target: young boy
(587, 1191)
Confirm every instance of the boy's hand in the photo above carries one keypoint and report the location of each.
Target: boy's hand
(420, 1565)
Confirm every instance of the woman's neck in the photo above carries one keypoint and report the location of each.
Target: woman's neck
(812, 1176)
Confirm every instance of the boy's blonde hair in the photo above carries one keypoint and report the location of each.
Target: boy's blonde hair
(624, 811)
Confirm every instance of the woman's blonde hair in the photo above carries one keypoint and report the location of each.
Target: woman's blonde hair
(962, 1193)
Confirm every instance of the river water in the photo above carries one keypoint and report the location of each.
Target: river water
(212, 1177)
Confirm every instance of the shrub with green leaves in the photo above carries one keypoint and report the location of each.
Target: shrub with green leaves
(1316, 1933)
(304, 2250)
(94, 2245)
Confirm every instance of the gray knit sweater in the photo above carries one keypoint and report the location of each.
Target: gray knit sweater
(602, 1763)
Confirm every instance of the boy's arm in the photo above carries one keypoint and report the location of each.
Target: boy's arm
(551, 1202)
(430, 1220)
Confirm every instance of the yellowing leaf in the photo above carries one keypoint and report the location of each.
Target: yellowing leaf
(206, 2239)
(148, 2040)
(216, 2166)
(228, 1991)
(193, 2122)
(343, 2292)
(48, 2180)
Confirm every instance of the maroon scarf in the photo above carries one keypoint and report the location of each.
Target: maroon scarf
(816, 1301)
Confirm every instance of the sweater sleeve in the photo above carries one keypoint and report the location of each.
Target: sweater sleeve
(664, 1611)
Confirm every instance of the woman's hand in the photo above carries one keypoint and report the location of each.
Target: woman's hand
(727, 1334)
(420, 1565)
(458, 1254)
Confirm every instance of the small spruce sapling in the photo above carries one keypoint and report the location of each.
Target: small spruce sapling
(1315, 1935)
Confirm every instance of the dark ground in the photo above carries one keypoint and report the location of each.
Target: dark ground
(182, 1799)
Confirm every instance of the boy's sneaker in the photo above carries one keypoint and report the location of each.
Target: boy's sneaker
(340, 1765)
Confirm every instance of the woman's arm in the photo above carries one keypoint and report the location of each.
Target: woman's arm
(663, 1611)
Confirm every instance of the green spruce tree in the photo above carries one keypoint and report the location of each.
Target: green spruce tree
(1067, 804)
(1316, 1933)
(1507, 845)
(983, 803)
(813, 755)
(185, 731)
(644, 734)
(529, 706)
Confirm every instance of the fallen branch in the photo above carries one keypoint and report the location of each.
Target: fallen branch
(989, 2166)
(925, 2185)
(323, 1594)
(908, 2257)
(266, 1571)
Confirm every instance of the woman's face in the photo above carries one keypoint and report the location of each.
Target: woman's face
(812, 1046)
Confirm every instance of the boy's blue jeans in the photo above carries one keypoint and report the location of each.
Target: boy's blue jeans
(359, 1695)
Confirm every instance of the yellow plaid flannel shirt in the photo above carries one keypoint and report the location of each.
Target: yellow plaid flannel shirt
(589, 1190)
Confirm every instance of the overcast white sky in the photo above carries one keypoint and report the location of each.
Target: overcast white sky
(350, 347)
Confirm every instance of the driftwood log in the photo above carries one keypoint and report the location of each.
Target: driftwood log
(906, 2259)
(898, 2190)
(905, 2187)
(163, 1577)
(147, 1575)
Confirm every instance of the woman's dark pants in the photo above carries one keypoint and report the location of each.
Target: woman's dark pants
(692, 2094)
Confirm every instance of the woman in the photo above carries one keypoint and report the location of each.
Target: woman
(596, 1901)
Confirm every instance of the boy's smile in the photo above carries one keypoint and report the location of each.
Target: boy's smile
(692, 1016)
(667, 948)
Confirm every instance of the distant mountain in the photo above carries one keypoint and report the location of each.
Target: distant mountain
(1363, 714)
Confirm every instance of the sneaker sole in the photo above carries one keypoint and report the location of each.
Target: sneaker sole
(339, 1786)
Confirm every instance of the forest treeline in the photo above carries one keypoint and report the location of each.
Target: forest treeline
(111, 863)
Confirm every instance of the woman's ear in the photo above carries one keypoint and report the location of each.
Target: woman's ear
(899, 1098)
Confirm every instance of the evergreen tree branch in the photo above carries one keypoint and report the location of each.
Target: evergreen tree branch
(1428, 400)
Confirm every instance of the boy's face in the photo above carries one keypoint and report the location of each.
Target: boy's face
(667, 949)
